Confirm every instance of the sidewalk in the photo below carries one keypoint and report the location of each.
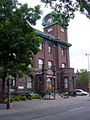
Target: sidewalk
(40, 104)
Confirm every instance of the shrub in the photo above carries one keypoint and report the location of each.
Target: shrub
(29, 95)
(36, 96)
(23, 98)
(42, 94)
(64, 94)
(16, 98)
(11, 99)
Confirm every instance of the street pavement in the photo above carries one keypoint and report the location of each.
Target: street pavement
(30, 105)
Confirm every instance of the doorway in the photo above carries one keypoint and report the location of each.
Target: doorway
(49, 85)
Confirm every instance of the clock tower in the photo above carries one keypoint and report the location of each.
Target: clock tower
(51, 28)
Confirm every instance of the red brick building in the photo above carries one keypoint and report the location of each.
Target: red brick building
(51, 70)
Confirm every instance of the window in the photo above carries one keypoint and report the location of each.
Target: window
(12, 83)
(50, 29)
(29, 83)
(41, 46)
(62, 30)
(49, 49)
(40, 63)
(49, 64)
(66, 83)
(63, 65)
(63, 52)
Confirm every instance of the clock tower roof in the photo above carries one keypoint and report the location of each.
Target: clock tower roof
(47, 20)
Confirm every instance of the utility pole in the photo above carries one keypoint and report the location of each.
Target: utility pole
(88, 55)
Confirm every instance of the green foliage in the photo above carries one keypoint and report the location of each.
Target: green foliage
(36, 96)
(64, 10)
(16, 98)
(18, 40)
(65, 94)
(83, 77)
(23, 98)
(11, 99)
(42, 94)
(29, 96)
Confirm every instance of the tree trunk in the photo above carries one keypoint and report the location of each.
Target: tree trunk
(3, 88)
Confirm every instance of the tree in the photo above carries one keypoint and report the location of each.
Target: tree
(18, 40)
(82, 77)
(64, 10)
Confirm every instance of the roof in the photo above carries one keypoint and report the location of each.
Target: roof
(53, 39)
(43, 20)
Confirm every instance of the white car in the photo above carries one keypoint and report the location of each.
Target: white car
(80, 92)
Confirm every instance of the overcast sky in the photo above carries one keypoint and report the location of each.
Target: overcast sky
(78, 36)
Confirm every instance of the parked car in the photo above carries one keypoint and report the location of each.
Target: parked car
(80, 92)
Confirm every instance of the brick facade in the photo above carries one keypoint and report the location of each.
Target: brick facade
(60, 77)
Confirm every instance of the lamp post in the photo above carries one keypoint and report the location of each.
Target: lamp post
(88, 55)
(54, 86)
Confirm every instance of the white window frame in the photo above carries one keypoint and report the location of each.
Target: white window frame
(50, 29)
(12, 82)
(63, 65)
(63, 52)
(40, 63)
(29, 83)
(62, 30)
(49, 49)
(49, 64)
(41, 46)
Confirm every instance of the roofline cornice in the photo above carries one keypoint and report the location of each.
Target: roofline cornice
(53, 39)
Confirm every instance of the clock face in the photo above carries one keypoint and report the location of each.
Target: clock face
(49, 21)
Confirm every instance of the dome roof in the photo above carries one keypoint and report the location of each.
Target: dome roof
(44, 19)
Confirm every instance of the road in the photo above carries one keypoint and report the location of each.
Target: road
(74, 111)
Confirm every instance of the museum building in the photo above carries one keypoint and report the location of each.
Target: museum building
(51, 65)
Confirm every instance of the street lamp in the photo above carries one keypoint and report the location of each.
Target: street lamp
(54, 86)
(88, 55)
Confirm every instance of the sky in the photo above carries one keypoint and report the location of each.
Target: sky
(78, 36)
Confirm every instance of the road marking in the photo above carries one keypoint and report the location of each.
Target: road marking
(76, 109)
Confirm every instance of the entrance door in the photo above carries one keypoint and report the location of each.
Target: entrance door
(49, 85)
